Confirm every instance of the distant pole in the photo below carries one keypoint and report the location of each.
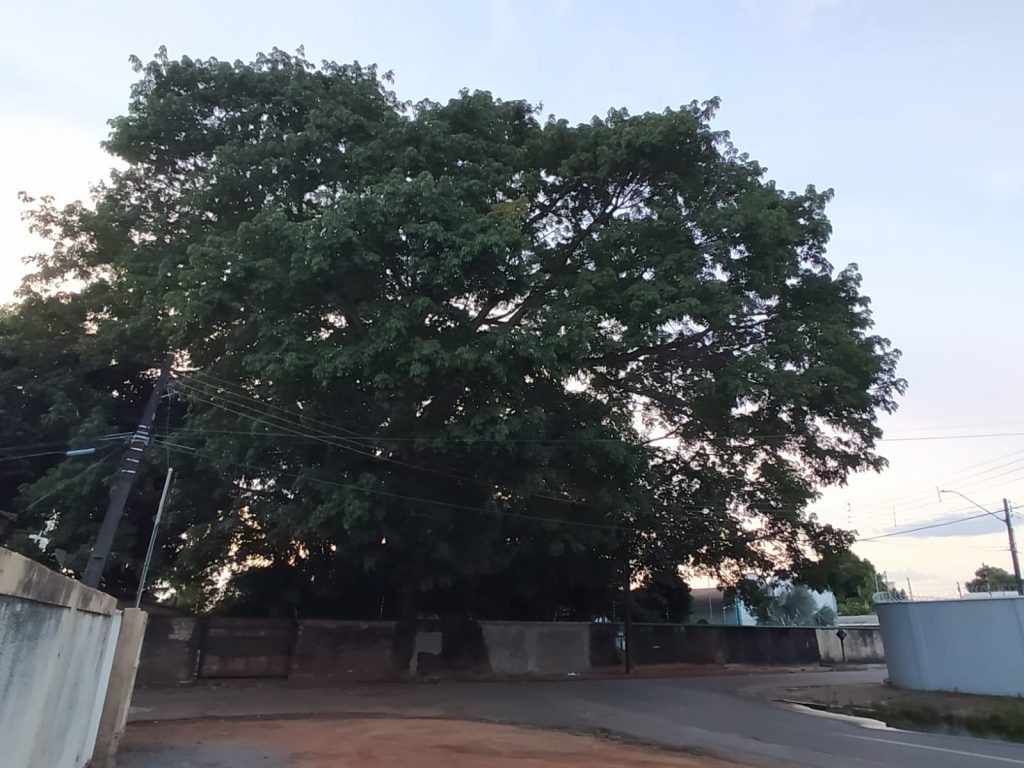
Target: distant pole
(1009, 533)
(1013, 547)
(958, 592)
(910, 588)
(152, 536)
(627, 635)
(122, 487)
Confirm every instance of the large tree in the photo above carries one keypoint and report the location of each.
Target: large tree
(454, 357)
(853, 580)
(991, 578)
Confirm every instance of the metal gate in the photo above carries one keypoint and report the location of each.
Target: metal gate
(246, 647)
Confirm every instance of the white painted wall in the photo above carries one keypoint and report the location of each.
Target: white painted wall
(57, 643)
(971, 646)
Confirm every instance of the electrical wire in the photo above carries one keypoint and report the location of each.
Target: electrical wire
(878, 507)
(33, 455)
(348, 486)
(225, 396)
(333, 440)
(66, 481)
(54, 443)
(925, 527)
(197, 375)
(186, 450)
(298, 432)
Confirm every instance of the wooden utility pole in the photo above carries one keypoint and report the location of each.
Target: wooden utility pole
(122, 486)
(1013, 547)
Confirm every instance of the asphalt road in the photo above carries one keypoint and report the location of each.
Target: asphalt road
(726, 716)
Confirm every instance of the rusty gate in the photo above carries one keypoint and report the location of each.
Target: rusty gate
(246, 647)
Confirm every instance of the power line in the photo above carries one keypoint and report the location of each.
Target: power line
(883, 505)
(248, 433)
(72, 453)
(333, 441)
(196, 375)
(224, 396)
(66, 481)
(931, 542)
(686, 511)
(949, 437)
(186, 450)
(348, 486)
(55, 443)
(767, 509)
(925, 527)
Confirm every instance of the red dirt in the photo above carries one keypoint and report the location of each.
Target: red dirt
(322, 743)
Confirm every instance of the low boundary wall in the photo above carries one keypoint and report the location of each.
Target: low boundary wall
(331, 652)
(66, 667)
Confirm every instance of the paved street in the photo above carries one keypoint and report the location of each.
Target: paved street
(723, 716)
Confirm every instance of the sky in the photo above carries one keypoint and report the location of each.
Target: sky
(909, 110)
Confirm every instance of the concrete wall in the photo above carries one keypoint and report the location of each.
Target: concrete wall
(971, 646)
(333, 652)
(240, 647)
(120, 685)
(681, 644)
(170, 653)
(863, 645)
(532, 648)
(57, 644)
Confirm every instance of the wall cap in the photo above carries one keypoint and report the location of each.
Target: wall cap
(28, 580)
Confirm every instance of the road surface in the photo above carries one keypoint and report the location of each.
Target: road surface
(723, 716)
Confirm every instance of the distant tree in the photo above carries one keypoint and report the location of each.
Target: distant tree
(989, 578)
(662, 597)
(781, 604)
(853, 580)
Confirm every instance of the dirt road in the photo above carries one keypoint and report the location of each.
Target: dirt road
(331, 743)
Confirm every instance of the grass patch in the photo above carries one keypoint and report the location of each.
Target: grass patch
(958, 713)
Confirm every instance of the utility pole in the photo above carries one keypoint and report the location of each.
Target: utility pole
(125, 479)
(1009, 533)
(627, 636)
(1013, 547)
(152, 536)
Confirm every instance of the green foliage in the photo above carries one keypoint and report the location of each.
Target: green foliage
(662, 597)
(793, 605)
(483, 307)
(851, 579)
(989, 578)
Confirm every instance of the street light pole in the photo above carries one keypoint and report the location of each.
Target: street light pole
(1009, 534)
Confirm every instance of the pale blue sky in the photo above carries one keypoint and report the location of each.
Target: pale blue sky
(911, 110)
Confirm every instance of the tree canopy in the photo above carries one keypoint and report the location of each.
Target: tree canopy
(989, 578)
(439, 357)
(853, 581)
(792, 605)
